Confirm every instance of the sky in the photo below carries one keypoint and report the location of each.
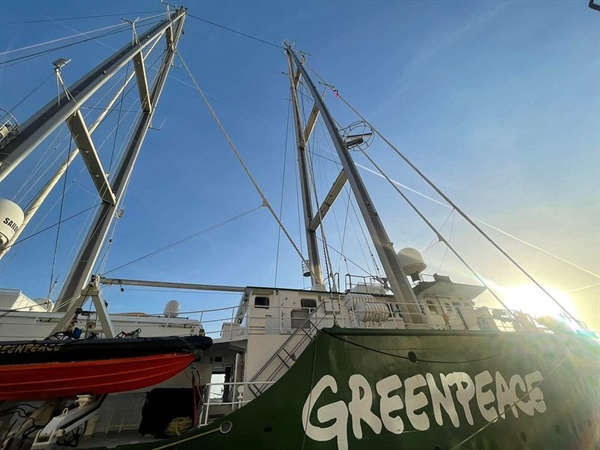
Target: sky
(498, 103)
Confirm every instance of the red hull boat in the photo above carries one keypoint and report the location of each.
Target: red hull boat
(40, 370)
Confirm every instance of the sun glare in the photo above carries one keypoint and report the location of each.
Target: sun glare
(531, 300)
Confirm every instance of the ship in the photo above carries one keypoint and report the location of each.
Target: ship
(382, 360)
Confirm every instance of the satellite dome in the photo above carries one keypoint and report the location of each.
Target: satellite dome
(412, 261)
(172, 308)
(11, 218)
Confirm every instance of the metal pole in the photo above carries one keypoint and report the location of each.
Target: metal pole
(314, 262)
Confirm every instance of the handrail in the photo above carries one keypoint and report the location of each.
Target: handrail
(237, 402)
(289, 355)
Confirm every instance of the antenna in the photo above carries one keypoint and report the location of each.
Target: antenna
(58, 65)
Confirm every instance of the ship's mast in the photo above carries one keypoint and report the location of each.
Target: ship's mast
(88, 254)
(302, 135)
(67, 109)
(57, 111)
(385, 250)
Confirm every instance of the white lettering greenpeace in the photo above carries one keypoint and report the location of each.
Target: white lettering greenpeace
(494, 397)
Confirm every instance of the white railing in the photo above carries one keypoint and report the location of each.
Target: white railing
(237, 394)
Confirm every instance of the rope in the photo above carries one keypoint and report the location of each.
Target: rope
(393, 355)
(187, 439)
(241, 161)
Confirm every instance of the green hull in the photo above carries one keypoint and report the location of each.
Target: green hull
(407, 389)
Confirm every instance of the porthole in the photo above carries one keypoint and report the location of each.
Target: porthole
(523, 436)
(412, 357)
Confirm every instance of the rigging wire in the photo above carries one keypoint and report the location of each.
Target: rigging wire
(367, 271)
(462, 213)
(20, 59)
(34, 176)
(52, 226)
(234, 31)
(123, 93)
(439, 235)
(326, 255)
(24, 22)
(185, 239)
(265, 201)
(285, 153)
(112, 153)
(65, 165)
(445, 205)
(328, 265)
(64, 38)
(449, 239)
(435, 240)
(60, 214)
(346, 217)
(79, 33)
(535, 247)
(100, 119)
(31, 92)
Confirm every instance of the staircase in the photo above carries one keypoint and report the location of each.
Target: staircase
(286, 355)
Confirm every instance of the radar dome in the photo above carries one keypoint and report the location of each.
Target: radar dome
(412, 261)
(172, 308)
(11, 218)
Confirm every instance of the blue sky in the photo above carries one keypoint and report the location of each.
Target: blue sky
(497, 102)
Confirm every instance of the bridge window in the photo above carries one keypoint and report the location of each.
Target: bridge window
(261, 302)
(308, 303)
